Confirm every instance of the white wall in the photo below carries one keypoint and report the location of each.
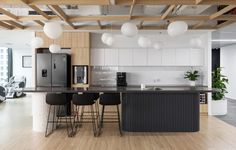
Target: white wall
(19, 41)
(18, 70)
(160, 75)
(228, 61)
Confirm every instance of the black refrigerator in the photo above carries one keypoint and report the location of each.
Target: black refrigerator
(53, 70)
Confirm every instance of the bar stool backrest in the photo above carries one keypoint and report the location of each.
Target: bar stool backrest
(56, 99)
(110, 99)
(83, 99)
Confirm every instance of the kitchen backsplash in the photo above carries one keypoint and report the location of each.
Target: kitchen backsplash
(106, 76)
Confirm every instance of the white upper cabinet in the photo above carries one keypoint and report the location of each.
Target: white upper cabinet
(182, 57)
(125, 57)
(111, 57)
(168, 57)
(139, 57)
(196, 57)
(97, 57)
(154, 57)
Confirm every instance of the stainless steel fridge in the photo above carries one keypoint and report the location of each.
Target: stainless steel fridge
(52, 70)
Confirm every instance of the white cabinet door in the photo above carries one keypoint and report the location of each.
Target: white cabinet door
(97, 57)
(111, 57)
(168, 57)
(139, 57)
(182, 57)
(196, 57)
(125, 57)
(154, 57)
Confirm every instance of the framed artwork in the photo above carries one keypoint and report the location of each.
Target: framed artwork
(26, 61)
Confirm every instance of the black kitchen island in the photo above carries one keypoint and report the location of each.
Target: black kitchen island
(162, 109)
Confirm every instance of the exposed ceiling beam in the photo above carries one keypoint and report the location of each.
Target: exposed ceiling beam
(119, 2)
(57, 9)
(198, 1)
(56, 2)
(131, 9)
(119, 18)
(224, 24)
(176, 2)
(6, 26)
(7, 13)
(167, 12)
(15, 24)
(222, 11)
(39, 11)
(39, 22)
(196, 26)
(109, 27)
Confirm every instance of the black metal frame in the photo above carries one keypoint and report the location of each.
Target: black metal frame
(70, 134)
(102, 119)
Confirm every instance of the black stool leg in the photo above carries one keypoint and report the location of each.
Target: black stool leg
(58, 116)
(53, 119)
(118, 113)
(93, 120)
(81, 117)
(101, 120)
(46, 132)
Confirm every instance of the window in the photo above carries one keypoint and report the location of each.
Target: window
(4, 68)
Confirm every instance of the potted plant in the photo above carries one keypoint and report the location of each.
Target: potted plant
(192, 75)
(219, 103)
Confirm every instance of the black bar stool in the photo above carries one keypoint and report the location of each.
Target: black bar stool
(85, 99)
(59, 101)
(110, 99)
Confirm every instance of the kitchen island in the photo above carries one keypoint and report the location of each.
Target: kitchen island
(154, 109)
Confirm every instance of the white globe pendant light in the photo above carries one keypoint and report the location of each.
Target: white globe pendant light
(144, 42)
(177, 28)
(110, 40)
(53, 30)
(196, 42)
(105, 36)
(129, 29)
(54, 48)
(36, 42)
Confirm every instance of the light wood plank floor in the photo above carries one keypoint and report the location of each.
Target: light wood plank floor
(16, 134)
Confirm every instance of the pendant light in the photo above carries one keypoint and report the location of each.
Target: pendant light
(36, 42)
(53, 30)
(129, 29)
(144, 42)
(177, 28)
(54, 48)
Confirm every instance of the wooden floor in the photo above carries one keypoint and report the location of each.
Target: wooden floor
(16, 134)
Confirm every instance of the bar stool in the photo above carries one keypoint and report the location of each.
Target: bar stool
(85, 99)
(57, 100)
(109, 99)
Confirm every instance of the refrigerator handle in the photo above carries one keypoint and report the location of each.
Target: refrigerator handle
(54, 65)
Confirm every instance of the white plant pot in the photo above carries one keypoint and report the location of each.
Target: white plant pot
(219, 107)
(192, 83)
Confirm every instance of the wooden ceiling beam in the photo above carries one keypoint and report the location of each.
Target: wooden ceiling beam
(167, 12)
(57, 10)
(39, 11)
(120, 2)
(6, 26)
(39, 22)
(198, 2)
(15, 24)
(7, 13)
(196, 26)
(118, 18)
(131, 9)
(109, 27)
(222, 11)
